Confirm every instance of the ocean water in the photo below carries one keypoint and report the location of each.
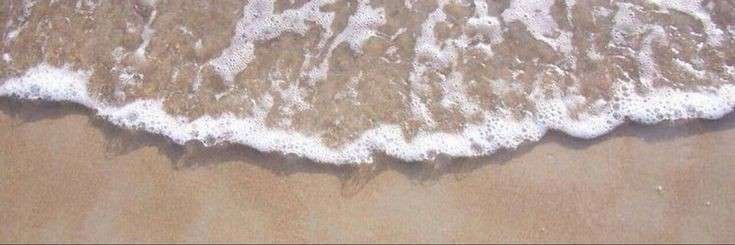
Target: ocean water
(337, 81)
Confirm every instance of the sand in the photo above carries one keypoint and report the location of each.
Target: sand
(66, 176)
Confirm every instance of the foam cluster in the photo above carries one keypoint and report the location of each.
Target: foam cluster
(261, 23)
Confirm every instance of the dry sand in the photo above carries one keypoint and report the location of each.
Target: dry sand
(66, 176)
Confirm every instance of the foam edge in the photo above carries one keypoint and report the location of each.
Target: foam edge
(500, 130)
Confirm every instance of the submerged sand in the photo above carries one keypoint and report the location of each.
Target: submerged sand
(66, 176)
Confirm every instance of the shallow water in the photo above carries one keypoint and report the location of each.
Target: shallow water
(336, 81)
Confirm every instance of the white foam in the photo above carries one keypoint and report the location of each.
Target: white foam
(361, 26)
(689, 68)
(260, 23)
(536, 16)
(499, 130)
(429, 49)
(434, 55)
(435, 69)
(648, 68)
(45, 82)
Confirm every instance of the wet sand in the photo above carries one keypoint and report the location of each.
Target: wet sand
(66, 176)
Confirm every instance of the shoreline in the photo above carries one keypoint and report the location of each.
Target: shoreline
(92, 181)
(33, 110)
(491, 134)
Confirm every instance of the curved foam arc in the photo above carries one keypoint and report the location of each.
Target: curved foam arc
(499, 130)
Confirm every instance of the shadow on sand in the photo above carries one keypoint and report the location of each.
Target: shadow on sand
(120, 141)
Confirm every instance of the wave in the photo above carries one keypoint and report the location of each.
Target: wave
(497, 131)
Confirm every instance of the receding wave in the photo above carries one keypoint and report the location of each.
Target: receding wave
(338, 81)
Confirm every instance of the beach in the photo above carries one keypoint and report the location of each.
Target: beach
(67, 176)
(367, 121)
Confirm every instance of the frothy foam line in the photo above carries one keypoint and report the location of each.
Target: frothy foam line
(500, 130)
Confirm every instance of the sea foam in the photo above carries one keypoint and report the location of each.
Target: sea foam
(499, 130)
(415, 81)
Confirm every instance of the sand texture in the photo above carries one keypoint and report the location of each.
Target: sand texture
(69, 177)
(197, 121)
